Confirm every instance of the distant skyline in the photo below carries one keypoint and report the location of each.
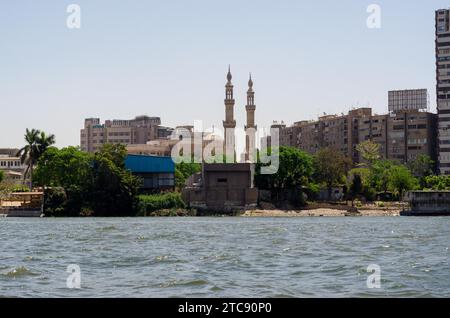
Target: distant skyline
(170, 59)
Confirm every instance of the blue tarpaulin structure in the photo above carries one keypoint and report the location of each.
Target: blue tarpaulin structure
(149, 164)
(157, 173)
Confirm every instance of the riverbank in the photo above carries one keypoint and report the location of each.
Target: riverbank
(324, 212)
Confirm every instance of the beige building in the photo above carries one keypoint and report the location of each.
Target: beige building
(135, 131)
(401, 136)
(12, 168)
(11, 163)
(160, 147)
(164, 146)
(9, 152)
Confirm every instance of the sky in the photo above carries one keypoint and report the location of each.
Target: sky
(170, 58)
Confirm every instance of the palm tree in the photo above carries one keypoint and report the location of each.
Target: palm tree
(37, 143)
(369, 151)
(45, 141)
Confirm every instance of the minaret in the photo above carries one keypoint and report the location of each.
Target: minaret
(229, 124)
(250, 128)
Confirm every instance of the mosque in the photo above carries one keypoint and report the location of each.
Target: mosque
(227, 187)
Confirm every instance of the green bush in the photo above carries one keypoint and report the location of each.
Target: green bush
(19, 188)
(380, 204)
(155, 202)
(437, 182)
(94, 184)
(55, 201)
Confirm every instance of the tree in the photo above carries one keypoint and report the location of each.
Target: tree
(67, 172)
(356, 187)
(401, 180)
(380, 175)
(295, 169)
(4, 189)
(369, 151)
(37, 143)
(364, 175)
(112, 188)
(66, 167)
(387, 176)
(292, 178)
(183, 171)
(79, 181)
(422, 166)
(330, 168)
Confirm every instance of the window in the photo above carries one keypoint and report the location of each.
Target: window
(222, 180)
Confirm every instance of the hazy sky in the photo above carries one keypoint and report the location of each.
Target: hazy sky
(169, 59)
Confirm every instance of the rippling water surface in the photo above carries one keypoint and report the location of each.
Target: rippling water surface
(225, 257)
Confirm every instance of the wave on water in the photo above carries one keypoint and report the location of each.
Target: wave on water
(107, 228)
(19, 272)
(185, 283)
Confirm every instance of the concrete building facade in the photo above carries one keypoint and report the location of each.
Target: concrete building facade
(223, 187)
(139, 130)
(411, 134)
(442, 40)
(401, 136)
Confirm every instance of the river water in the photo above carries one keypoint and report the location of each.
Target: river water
(225, 257)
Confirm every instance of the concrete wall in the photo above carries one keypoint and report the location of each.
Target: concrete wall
(429, 202)
(223, 186)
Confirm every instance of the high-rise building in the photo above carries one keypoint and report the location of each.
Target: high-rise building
(411, 133)
(443, 87)
(135, 131)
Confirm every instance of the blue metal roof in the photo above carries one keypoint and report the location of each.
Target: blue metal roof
(149, 164)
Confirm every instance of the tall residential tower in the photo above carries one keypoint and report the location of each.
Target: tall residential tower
(443, 87)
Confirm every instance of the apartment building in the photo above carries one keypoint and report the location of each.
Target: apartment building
(370, 127)
(310, 136)
(442, 40)
(401, 135)
(335, 131)
(139, 130)
(411, 134)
